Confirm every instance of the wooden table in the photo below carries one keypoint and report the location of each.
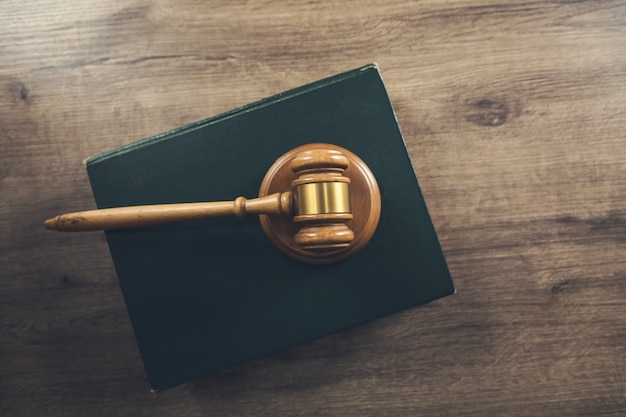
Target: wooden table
(514, 114)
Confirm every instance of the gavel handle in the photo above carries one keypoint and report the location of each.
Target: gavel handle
(150, 215)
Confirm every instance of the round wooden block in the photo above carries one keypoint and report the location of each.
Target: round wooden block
(365, 202)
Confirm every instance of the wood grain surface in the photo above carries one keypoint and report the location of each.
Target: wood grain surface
(514, 114)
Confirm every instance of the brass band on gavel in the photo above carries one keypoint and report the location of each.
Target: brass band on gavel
(321, 198)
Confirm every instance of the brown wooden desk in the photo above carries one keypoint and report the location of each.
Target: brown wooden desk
(515, 117)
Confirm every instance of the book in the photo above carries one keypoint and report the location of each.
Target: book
(206, 295)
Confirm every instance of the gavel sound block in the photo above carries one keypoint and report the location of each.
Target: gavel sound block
(330, 212)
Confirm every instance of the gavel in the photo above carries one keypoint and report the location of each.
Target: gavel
(312, 222)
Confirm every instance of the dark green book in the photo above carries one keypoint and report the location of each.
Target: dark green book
(206, 295)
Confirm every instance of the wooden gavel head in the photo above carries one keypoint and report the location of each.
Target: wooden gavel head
(335, 204)
(318, 204)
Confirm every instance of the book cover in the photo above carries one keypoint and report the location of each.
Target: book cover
(206, 295)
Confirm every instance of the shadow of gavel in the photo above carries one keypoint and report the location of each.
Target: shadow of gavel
(312, 222)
